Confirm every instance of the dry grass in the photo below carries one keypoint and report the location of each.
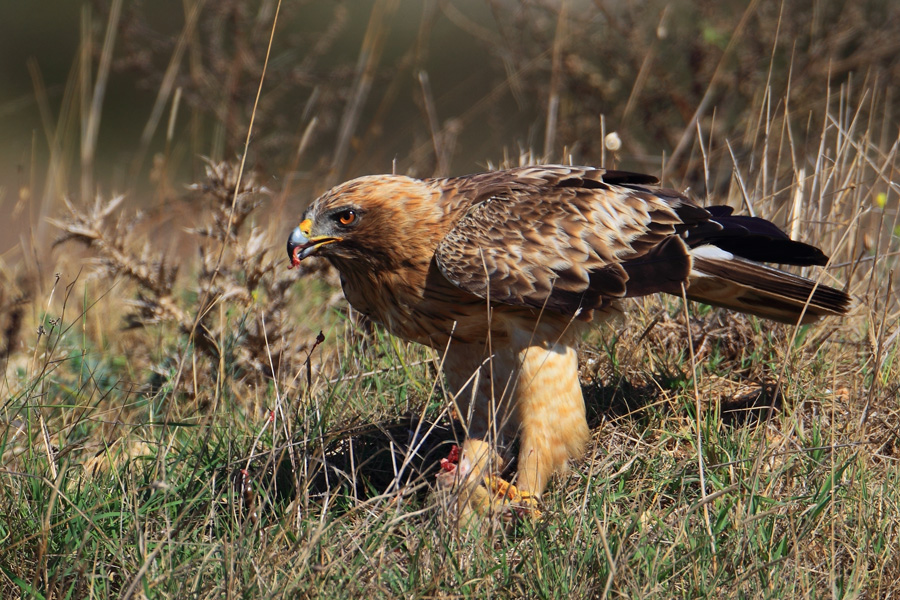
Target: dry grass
(173, 425)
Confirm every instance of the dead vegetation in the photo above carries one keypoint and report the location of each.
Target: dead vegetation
(236, 267)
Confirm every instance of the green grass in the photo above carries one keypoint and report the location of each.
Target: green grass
(161, 473)
(140, 494)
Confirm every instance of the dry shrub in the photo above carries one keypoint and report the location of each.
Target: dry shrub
(650, 67)
(655, 71)
(226, 46)
(15, 297)
(233, 304)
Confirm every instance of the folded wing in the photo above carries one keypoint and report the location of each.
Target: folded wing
(570, 239)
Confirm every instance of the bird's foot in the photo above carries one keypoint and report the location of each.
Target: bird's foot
(512, 500)
(491, 495)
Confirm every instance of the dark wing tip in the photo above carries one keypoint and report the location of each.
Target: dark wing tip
(755, 239)
(764, 249)
(628, 178)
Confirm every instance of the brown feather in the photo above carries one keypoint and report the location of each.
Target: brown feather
(759, 290)
(559, 238)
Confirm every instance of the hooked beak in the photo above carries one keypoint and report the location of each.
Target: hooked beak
(300, 245)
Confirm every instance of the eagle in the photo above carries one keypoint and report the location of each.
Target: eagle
(501, 272)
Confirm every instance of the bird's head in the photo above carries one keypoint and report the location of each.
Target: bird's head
(329, 227)
(364, 219)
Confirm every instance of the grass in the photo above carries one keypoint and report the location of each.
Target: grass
(176, 427)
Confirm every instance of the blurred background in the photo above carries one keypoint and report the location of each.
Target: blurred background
(128, 97)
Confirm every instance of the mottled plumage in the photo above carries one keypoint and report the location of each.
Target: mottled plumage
(500, 271)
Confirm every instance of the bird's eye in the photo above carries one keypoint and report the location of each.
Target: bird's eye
(347, 217)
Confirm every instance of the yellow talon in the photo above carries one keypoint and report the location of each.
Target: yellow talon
(492, 495)
(507, 495)
(502, 489)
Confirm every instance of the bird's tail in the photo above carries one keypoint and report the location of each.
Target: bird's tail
(721, 278)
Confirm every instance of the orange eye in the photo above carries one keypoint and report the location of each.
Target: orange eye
(347, 217)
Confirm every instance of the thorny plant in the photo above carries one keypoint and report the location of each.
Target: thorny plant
(249, 277)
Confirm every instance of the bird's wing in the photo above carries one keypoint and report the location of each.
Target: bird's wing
(566, 238)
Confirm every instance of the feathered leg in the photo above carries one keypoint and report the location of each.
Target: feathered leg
(531, 388)
(482, 399)
(550, 413)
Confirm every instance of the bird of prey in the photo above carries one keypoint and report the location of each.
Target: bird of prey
(500, 272)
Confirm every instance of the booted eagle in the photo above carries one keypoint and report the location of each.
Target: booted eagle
(500, 272)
